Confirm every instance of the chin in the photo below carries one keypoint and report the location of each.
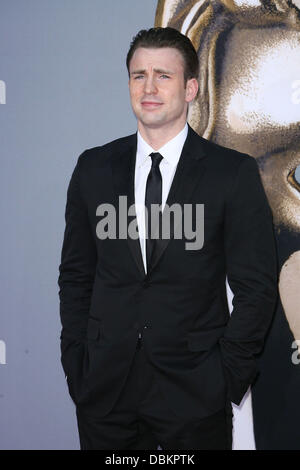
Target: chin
(152, 122)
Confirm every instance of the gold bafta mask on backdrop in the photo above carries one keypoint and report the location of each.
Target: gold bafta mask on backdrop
(249, 100)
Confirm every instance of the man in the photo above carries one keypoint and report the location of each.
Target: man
(151, 354)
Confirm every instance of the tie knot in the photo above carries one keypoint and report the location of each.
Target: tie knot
(156, 159)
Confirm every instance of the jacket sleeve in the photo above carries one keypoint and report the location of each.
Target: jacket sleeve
(251, 262)
(78, 261)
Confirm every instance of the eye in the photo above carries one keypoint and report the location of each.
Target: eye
(294, 177)
(138, 77)
(164, 76)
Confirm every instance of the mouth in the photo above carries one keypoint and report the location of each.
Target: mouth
(151, 104)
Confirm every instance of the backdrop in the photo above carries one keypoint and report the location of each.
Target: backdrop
(63, 88)
(249, 100)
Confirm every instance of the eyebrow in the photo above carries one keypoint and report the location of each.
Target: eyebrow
(167, 72)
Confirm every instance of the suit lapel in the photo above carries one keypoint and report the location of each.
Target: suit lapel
(188, 174)
(123, 170)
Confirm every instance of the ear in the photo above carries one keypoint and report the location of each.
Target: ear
(191, 89)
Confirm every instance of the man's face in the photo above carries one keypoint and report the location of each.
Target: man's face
(158, 94)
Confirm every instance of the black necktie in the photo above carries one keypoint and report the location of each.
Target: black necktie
(153, 196)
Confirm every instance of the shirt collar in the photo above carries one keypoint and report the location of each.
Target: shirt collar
(171, 151)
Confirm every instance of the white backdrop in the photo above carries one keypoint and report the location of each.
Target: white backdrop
(243, 435)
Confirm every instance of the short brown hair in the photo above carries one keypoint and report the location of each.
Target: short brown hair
(167, 37)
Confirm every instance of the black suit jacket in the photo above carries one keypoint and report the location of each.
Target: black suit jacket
(201, 356)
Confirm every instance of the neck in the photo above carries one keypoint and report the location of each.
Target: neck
(158, 137)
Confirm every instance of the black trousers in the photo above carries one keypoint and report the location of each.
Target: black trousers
(142, 420)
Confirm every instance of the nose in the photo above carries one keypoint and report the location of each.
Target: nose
(150, 86)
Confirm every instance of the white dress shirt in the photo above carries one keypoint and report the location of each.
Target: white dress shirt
(171, 152)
